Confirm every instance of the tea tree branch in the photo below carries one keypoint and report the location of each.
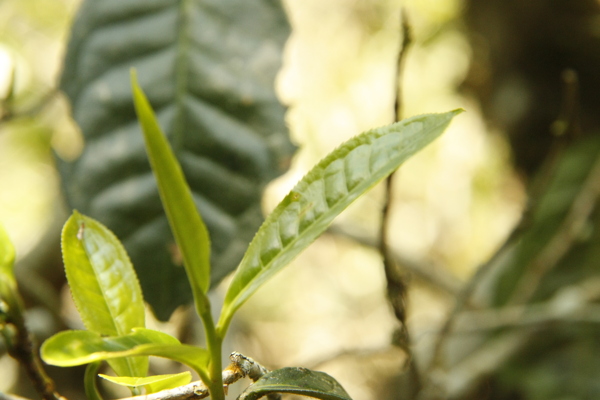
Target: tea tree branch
(240, 367)
(396, 285)
(22, 348)
(20, 344)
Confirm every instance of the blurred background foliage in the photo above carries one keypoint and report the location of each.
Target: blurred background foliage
(453, 205)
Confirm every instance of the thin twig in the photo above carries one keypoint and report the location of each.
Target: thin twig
(523, 317)
(351, 353)
(23, 349)
(521, 323)
(433, 275)
(396, 282)
(240, 367)
(463, 299)
(396, 285)
(6, 396)
(7, 113)
(572, 304)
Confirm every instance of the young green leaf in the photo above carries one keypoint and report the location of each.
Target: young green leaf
(154, 383)
(188, 227)
(322, 194)
(104, 285)
(70, 348)
(300, 381)
(102, 280)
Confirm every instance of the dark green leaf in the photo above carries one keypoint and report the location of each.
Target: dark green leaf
(299, 381)
(208, 69)
(103, 283)
(334, 183)
(187, 225)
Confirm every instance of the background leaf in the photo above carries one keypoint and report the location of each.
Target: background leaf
(8, 284)
(208, 69)
(12, 308)
(332, 185)
(103, 283)
(7, 256)
(538, 297)
(299, 381)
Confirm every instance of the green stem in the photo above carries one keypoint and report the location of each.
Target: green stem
(214, 344)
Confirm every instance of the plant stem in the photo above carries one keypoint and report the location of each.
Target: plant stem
(214, 343)
(23, 349)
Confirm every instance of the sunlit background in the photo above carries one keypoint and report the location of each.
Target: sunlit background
(453, 204)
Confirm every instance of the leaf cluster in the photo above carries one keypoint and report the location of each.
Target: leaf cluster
(108, 296)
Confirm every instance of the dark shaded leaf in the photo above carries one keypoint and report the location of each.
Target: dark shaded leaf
(299, 381)
(208, 69)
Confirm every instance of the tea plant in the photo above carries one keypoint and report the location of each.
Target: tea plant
(108, 296)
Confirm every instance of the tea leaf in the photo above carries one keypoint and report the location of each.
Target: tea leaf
(330, 187)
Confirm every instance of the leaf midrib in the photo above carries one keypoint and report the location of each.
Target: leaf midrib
(128, 360)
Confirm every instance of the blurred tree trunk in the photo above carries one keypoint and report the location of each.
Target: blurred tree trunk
(521, 48)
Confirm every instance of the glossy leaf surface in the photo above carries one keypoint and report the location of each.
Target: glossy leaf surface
(187, 225)
(300, 381)
(334, 183)
(153, 383)
(208, 69)
(70, 348)
(103, 283)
